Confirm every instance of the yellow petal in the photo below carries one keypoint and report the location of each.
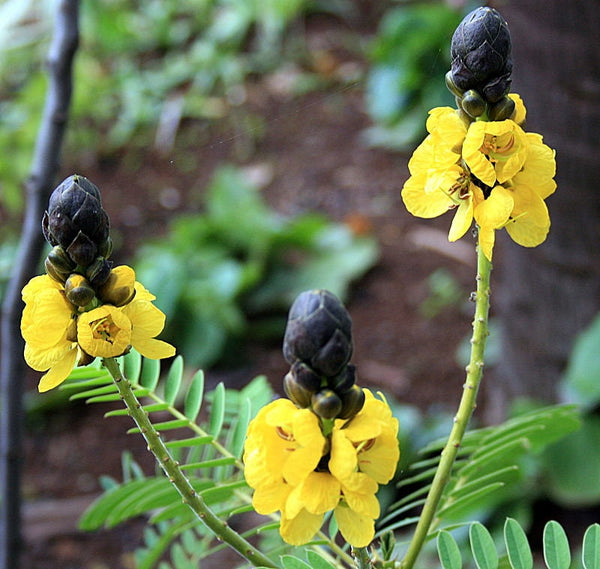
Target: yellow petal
(380, 459)
(271, 498)
(151, 348)
(421, 203)
(463, 218)
(104, 332)
(343, 460)
(37, 285)
(530, 222)
(46, 318)
(59, 371)
(318, 493)
(520, 112)
(146, 319)
(496, 209)
(476, 160)
(486, 239)
(300, 529)
(358, 530)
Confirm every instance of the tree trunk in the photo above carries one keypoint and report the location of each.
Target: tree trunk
(547, 295)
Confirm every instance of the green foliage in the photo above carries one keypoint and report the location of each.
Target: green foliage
(443, 292)
(208, 452)
(557, 551)
(138, 73)
(238, 259)
(582, 377)
(410, 56)
(566, 484)
(489, 464)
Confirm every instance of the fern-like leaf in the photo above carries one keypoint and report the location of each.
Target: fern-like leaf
(487, 461)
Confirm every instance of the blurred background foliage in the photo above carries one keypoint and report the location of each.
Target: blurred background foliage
(142, 73)
(233, 269)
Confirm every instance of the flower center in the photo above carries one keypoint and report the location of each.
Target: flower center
(104, 329)
(493, 144)
(285, 435)
(364, 445)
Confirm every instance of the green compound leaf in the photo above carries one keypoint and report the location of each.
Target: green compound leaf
(132, 365)
(193, 398)
(150, 374)
(317, 562)
(517, 546)
(217, 412)
(290, 562)
(557, 554)
(174, 379)
(448, 551)
(483, 547)
(591, 547)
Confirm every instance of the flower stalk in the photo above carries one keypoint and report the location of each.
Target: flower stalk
(171, 468)
(465, 410)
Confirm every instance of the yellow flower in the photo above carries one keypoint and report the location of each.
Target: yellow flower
(58, 334)
(48, 327)
(490, 171)
(284, 445)
(494, 151)
(288, 466)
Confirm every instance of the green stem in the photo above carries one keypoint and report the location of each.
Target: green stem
(171, 468)
(465, 410)
(362, 558)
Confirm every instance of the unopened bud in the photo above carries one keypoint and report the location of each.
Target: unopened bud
(298, 394)
(78, 290)
(352, 402)
(326, 404)
(76, 221)
(98, 272)
(481, 54)
(473, 104)
(344, 380)
(119, 288)
(318, 332)
(502, 110)
(306, 377)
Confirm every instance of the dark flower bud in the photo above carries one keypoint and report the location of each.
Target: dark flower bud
(501, 110)
(344, 380)
(473, 104)
(481, 54)
(326, 404)
(352, 402)
(78, 290)
(76, 221)
(296, 393)
(58, 264)
(98, 272)
(318, 332)
(306, 377)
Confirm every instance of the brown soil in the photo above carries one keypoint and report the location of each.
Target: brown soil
(313, 155)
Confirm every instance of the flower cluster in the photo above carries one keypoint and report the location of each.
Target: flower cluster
(318, 345)
(297, 470)
(60, 334)
(477, 159)
(332, 443)
(82, 309)
(490, 171)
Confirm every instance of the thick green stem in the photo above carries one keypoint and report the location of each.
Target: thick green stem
(182, 484)
(362, 558)
(465, 410)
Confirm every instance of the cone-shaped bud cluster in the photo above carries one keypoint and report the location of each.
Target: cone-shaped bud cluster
(78, 228)
(318, 345)
(480, 76)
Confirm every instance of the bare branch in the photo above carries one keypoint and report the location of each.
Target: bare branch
(38, 187)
